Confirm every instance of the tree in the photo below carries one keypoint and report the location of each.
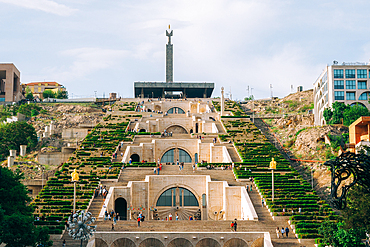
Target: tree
(15, 134)
(16, 220)
(336, 235)
(352, 113)
(48, 94)
(341, 112)
(357, 213)
(62, 94)
(29, 110)
(29, 95)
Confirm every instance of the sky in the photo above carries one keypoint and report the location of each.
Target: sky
(97, 47)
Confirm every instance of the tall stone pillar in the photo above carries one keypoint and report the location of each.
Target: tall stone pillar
(23, 150)
(169, 56)
(222, 101)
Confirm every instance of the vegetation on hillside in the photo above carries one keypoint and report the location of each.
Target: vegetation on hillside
(341, 113)
(17, 227)
(14, 134)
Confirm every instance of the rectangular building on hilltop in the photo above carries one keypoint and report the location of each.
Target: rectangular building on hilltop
(347, 83)
(10, 83)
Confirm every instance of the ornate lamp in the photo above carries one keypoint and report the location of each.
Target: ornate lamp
(79, 225)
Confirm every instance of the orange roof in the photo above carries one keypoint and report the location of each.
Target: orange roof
(50, 83)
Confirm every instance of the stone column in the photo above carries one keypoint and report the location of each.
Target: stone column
(13, 153)
(222, 101)
(23, 150)
(11, 157)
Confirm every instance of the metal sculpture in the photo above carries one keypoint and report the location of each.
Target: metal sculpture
(79, 225)
(347, 170)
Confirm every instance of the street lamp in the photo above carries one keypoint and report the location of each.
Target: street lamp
(252, 105)
(75, 179)
(272, 168)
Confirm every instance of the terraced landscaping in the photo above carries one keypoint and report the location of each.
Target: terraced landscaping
(93, 162)
(291, 190)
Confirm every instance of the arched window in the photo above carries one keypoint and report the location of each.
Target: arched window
(175, 154)
(175, 110)
(178, 196)
(184, 156)
(168, 156)
(363, 96)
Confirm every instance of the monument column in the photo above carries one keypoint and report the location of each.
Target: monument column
(169, 56)
(222, 101)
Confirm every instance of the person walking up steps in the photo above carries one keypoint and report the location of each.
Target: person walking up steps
(286, 231)
(282, 232)
(277, 232)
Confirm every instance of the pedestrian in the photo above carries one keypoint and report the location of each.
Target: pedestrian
(193, 167)
(138, 221)
(155, 170)
(112, 227)
(114, 219)
(262, 202)
(277, 232)
(251, 187)
(105, 215)
(177, 216)
(117, 217)
(64, 243)
(286, 231)
(247, 187)
(282, 232)
(299, 210)
(170, 216)
(235, 225)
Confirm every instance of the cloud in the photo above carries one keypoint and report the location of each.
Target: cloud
(85, 61)
(43, 5)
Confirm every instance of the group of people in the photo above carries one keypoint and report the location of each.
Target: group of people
(101, 191)
(140, 218)
(111, 216)
(282, 231)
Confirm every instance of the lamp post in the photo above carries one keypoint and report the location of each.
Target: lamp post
(252, 105)
(273, 167)
(75, 179)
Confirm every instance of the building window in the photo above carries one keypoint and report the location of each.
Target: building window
(350, 96)
(184, 156)
(351, 84)
(185, 198)
(338, 73)
(361, 85)
(350, 73)
(338, 95)
(338, 84)
(175, 110)
(361, 73)
(169, 156)
(363, 96)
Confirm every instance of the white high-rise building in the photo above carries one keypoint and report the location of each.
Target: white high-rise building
(348, 83)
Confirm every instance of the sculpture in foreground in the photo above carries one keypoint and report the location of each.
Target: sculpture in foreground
(347, 170)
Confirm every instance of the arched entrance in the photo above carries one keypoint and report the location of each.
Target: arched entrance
(135, 158)
(149, 242)
(120, 207)
(142, 130)
(176, 129)
(175, 154)
(235, 242)
(209, 242)
(126, 242)
(180, 242)
(180, 201)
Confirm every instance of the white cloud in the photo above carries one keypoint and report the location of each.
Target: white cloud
(86, 61)
(43, 5)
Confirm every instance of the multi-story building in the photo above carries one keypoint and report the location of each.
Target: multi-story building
(10, 83)
(347, 83)
(37, 88)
